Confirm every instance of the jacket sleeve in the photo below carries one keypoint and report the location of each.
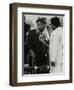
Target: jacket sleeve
(29, 41)
(54, 42)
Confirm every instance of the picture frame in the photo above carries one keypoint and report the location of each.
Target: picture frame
(17, 12)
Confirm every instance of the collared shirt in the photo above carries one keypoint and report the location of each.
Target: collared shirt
(46, 34)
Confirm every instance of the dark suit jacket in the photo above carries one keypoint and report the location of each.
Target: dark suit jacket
(40, 50)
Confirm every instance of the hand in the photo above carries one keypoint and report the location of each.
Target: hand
(31, 52)
(53, 63)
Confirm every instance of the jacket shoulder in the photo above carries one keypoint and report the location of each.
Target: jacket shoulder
(33, 31)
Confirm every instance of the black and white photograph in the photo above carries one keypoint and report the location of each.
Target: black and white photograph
(42, 44)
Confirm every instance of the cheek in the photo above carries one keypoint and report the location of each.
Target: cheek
(39, 27)
(43, 26)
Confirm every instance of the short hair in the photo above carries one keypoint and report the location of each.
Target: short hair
(42, 20)
(55, 21)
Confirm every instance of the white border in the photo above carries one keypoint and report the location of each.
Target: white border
(48, 77)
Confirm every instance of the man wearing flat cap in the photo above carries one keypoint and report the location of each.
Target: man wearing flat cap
(38, 46)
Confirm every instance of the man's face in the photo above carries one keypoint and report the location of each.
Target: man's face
(41, 26)
(52, 26)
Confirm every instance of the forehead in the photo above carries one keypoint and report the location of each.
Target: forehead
(40, 23)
